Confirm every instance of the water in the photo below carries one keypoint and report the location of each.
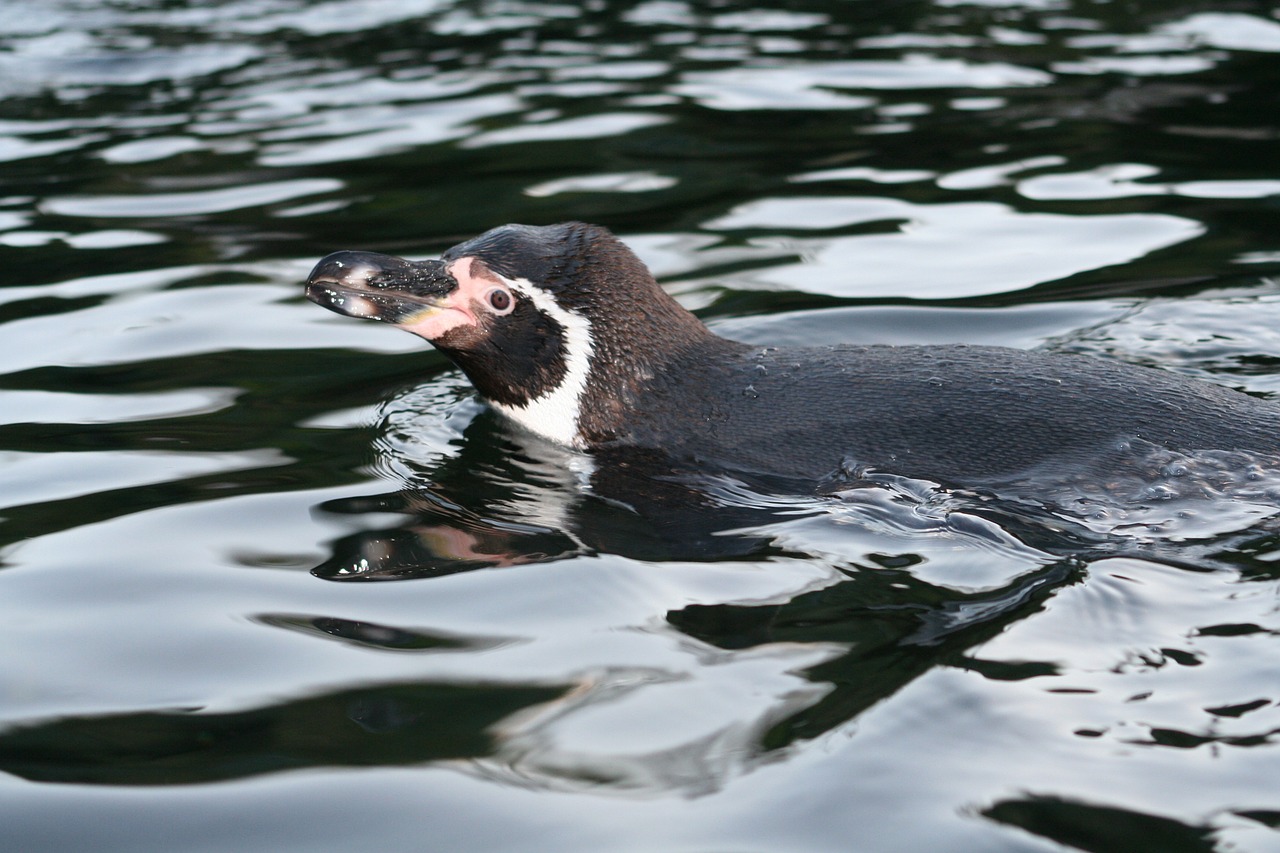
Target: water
(272, 580)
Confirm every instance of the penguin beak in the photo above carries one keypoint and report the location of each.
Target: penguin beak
(381, 287)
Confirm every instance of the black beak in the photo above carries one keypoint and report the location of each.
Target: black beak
(378, 287)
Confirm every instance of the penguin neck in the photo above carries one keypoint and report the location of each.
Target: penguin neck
(658, 352)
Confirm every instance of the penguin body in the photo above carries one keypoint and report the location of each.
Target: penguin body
(564, 330)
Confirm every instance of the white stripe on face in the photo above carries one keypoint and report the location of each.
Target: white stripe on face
(554, 415)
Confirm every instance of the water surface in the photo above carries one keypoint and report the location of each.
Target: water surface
(271, 579)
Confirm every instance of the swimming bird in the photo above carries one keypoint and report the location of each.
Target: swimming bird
(562, 329)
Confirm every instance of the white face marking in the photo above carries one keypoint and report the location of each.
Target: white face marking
(554, 415)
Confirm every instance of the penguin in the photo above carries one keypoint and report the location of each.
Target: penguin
(563, 330)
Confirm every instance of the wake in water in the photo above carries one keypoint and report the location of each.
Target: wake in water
(477, 493)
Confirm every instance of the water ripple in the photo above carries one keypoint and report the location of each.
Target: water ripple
(189, 203)
(205, 475)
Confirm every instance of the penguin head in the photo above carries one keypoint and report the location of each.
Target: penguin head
(546, 321)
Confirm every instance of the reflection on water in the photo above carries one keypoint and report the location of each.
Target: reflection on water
(924, 255)
(571, 652)
(399, 724)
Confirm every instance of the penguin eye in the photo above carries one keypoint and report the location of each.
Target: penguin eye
(500, 300)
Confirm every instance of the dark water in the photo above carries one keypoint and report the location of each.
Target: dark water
(203, 474)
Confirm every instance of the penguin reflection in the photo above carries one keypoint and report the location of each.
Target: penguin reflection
(508, 498)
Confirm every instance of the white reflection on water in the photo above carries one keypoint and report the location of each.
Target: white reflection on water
(149, 150)
(620, 182)
(1007, 4)
(1169, 48)
(58, 62)
(192, 203)
(865, 173)
(1140, 66)
(113, 238)
(986, 177)
(329, 135)
(39, 477)
(687, 729)
(1228, 30)
(330, 16)
(1130, 626)
(54, 407)
(1127, 180)
(163, 324)
(928, 251)
(818, 85)
(1230, 338)
(585, 127)
(761, 20)
(16, 148)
